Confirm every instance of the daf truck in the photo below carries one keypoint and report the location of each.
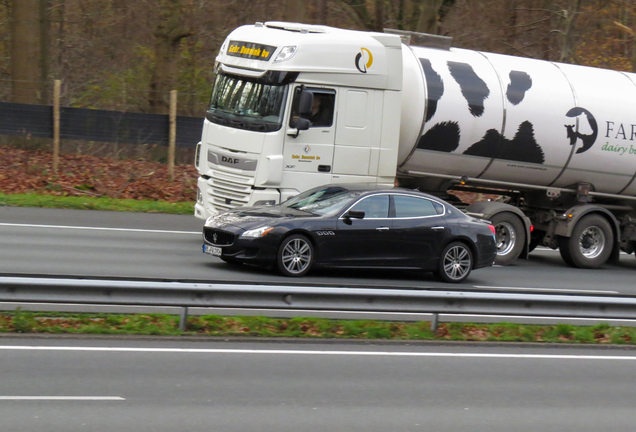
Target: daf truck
(556, 143)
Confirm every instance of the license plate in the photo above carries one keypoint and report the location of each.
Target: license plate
(212, 250)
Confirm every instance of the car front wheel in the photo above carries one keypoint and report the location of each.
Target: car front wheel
(455, 263)
(295, 256)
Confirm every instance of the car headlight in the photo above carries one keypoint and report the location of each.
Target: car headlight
(257, 232)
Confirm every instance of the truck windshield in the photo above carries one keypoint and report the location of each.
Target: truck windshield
(245, 103)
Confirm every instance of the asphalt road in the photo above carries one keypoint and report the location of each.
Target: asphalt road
(80, 385)
(168, 247)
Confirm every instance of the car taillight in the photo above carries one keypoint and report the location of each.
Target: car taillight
(492, 228)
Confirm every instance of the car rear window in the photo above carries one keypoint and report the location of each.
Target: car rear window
(411, 207)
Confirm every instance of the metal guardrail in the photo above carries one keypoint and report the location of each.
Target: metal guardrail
(220, 295)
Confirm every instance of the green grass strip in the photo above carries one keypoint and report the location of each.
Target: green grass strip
(95, 203)
(308, 328)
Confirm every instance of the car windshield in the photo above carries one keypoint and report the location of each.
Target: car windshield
(243, 103)
(322, 201)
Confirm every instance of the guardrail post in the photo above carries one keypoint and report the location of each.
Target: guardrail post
(434, 322)
(183, 321)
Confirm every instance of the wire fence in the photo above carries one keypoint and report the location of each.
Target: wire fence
(97, 125)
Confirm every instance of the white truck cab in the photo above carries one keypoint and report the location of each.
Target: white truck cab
(295, 106)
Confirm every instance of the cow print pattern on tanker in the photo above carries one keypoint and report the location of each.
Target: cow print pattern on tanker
(445, 135)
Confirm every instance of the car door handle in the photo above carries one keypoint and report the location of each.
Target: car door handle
(438, 228)
(382, 229)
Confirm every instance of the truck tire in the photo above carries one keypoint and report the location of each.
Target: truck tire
(510, 235)
(295, 256)
(590, 244)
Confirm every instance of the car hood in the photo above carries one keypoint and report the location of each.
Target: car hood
(254, 216)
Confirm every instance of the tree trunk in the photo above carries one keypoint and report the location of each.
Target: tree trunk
(45, 32)
(570, 15)
(168, 34)
(25, 52)
(294, 11)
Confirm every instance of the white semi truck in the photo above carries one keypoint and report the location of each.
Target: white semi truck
(556, 141)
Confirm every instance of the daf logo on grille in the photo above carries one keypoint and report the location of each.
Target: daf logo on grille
(214, 238)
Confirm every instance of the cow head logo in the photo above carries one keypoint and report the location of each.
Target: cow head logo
(574, 135)
(364, 60)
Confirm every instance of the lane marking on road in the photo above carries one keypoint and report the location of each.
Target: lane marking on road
(545, 289)
(65, 398)
(99, 228)
(317, 352)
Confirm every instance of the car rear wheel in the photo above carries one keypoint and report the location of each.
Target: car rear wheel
(455, 263)
(295, 256)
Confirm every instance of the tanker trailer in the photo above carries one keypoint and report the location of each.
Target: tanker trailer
(555, 141)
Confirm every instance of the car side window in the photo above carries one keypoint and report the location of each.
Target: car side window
(374, 207)
(412, 207)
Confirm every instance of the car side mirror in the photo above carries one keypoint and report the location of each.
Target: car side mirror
(354, 214)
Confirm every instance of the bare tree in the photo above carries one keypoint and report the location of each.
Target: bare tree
(169, 32)
(26, 72)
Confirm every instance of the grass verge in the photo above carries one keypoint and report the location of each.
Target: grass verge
(95, 203)
(317, 328)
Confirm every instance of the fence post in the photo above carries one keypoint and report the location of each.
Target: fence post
(173, 134)
(56, 125)
(434, 322)
(183, 321)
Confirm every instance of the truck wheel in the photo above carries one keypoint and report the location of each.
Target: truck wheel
(295, 256)
(590, 244)
(510, 235)
(455, 263)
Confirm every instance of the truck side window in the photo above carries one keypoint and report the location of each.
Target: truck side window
(322, 108)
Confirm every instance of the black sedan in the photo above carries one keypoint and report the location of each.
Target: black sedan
(354, 226)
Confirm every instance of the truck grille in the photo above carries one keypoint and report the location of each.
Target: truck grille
(228, 190)
(218, 237)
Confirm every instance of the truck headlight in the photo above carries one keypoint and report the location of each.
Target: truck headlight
(285, 53)
(257, 232)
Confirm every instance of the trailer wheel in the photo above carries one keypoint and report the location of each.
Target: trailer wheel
(590, 244)
(510, 235)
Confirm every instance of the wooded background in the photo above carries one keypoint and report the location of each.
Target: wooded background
(128, 54)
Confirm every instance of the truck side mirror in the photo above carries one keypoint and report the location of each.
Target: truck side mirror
(306, 100)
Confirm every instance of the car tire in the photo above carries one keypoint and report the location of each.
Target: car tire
(589, 245)
(510, 236)
(456, 262)
(295, 256)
